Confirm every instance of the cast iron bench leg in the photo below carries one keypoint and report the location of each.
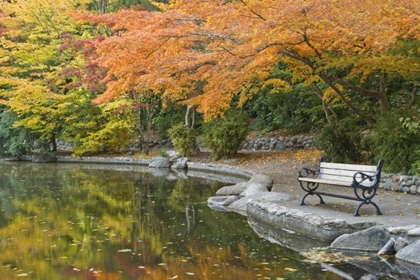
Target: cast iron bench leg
(378, 211)
(320, 198)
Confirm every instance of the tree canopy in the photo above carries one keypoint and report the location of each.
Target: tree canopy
(206, 52)
(92, 71)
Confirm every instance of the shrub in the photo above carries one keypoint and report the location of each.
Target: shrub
(413, 125)
(341, 142)
(396, 144)
(184, 139)
(224, 136)
(14, 141)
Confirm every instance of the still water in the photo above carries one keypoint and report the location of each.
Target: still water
(79, 221)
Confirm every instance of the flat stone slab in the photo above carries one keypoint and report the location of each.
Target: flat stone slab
(305, 223)
(410, 254)
(241, 204)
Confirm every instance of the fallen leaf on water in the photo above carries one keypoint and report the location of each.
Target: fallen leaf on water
(290, 269)
(124, 250)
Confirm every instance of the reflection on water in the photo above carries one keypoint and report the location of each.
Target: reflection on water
(74, 221)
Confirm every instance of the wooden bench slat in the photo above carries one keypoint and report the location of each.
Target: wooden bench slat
(339, 172)
(353, 167)
(331, 181)
(326, 181)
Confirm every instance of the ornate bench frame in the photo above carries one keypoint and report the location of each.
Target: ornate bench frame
(364, 179)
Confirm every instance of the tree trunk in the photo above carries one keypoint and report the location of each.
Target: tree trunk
(53, 143)
(190, 111)
(325, 106)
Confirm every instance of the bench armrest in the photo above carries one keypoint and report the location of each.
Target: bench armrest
(306, 172)
(360, 178)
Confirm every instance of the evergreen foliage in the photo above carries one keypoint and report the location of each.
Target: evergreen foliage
(184, 139)
(341, 142)
(397, 144)
(168, 117)
(13, 141)
(224, 136)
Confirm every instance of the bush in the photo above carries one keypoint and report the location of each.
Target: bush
(341, 142)
(396, 144)
(13, 141)
(295, 112)
(224, 136)
(184, 139)
(413, 125)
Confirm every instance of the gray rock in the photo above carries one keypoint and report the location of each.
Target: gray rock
(280, 146)
(262, 179)
(232, 190)
(401, 242)
(410, 253)
(401, 230)
(371, 239)
(159, 162)
(387, 185)
(404, 178)
(181, 163)
(222, 200)
(174, 158)
(241, 204)
(307, 224)
(253, 188)
(414, 232)
(411, 269)
(405, 189)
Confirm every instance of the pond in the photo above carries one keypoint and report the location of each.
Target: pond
(81, 221)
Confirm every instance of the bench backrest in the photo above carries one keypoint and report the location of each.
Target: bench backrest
(344, 172)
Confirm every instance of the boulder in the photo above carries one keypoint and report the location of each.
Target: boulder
(258, 183)
(372, 240)
(159, 162)
(253, 188)
(181, 163)
(410, 253)
(236, 189)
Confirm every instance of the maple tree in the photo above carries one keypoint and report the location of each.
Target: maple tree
(48, 80)
(29, 62)
(205, 53)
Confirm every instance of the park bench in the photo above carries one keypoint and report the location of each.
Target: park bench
(364, 179)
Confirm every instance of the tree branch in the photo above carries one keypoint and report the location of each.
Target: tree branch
(252, 11)
(330, 83)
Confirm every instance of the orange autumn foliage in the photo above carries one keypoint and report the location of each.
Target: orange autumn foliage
(205, 53)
